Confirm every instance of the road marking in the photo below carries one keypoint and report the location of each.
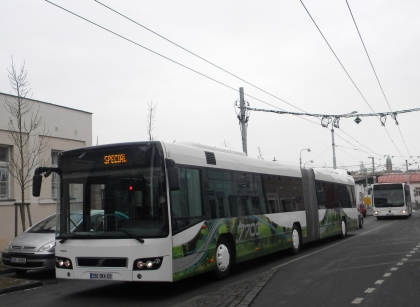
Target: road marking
(378, 282)
(357, 301)
(408, 255)
(412, 252)
(369, 290)
(416, 249)
(394, 269)
(404, 259)
(400, 263)
(387, 274)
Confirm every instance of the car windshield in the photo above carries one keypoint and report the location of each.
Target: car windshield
(45, 226)
(49, 224)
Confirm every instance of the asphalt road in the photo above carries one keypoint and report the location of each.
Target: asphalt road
(374, 266)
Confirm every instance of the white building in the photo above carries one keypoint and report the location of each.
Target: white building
(65, 128)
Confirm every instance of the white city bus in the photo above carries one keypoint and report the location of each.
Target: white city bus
(391, 199)
(188, 209)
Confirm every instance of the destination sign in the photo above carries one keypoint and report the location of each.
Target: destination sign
(115, 159)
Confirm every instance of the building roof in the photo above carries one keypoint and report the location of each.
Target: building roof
(10, 95)
(390, 178)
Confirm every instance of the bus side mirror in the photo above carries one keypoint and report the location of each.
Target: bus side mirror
(369, 191)
(36, 185)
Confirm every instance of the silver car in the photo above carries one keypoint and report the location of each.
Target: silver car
(34, 249)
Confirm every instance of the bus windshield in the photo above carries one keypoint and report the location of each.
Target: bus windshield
(388, 196)
(118, 192)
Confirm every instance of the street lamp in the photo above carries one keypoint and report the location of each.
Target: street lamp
(300, 156)
(310, 161)
(332, 135)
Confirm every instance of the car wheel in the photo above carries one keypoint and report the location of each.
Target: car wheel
(343, 229)
(296, 240)
(224, 259)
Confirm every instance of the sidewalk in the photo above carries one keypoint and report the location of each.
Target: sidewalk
(10, 284)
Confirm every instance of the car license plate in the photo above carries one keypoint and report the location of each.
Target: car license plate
(102, 276)
(18, 260)
(390, 214)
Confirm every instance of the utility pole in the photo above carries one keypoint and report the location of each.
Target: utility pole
(333, 148)
(373, 168)
(243, 119)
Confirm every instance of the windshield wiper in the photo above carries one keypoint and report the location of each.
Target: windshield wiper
(132, 235)
(75, 236)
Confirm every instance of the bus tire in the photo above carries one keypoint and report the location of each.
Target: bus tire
(296, 240)
(343, 228)
(224, 258)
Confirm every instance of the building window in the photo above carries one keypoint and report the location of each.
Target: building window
(416, 191)
(4, 173)
(54, 176)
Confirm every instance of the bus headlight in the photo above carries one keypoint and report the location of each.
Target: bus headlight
(147, 264)
(63, 263)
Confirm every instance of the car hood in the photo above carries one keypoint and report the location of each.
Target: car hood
(33, 239)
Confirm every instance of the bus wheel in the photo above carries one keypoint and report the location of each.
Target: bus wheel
(343, 228)
(296, 240)
(223, 258)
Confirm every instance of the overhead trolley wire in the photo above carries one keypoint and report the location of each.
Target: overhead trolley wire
(173, 61)
(319, 30)
(180, 64)
(196, 55)
(207, 61)
(374, 71)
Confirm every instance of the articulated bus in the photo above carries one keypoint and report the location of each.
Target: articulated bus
(173, 210)
(391, 199)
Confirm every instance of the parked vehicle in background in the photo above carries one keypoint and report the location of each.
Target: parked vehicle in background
(34, 249)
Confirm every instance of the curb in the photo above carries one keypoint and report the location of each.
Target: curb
(28, 284)
(6, 271)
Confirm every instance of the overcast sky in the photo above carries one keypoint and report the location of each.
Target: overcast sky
(270, 45)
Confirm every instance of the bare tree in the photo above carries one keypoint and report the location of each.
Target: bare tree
(260, 156)
(151, 120)
(225, 143)
(24, 132)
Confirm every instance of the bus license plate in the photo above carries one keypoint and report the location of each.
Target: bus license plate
(18, 260)
(102, 276)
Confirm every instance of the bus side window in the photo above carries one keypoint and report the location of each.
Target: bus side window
(186, 203)
(320, 195)
(233, 205)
